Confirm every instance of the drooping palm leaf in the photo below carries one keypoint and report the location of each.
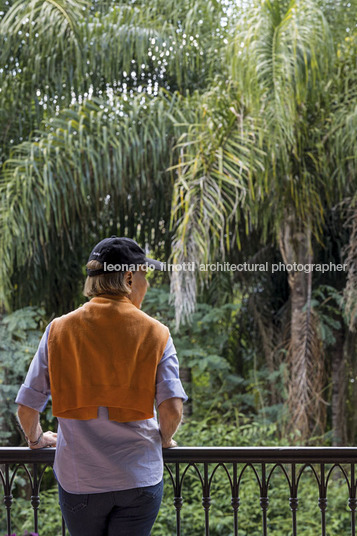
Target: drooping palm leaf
(216, 157)
(94, 161)
(69, 50)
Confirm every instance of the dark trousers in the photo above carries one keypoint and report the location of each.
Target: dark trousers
(130, 512)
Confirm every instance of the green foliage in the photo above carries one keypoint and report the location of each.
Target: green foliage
(204, 347)
(20, 334)
(96, 46)
(50, 520)
(329, 305)
(217, 159)
(242, 432)
(201, 348)
(84, 154)
(269, 132)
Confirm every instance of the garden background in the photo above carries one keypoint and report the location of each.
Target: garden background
(209, 131)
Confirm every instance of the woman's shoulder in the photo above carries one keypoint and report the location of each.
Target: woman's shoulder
(151, 320)
(154, 326)
(66, 318)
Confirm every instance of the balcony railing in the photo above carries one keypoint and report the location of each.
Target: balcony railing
(293, 462)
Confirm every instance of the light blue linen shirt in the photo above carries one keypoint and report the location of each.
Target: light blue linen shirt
(99, 455)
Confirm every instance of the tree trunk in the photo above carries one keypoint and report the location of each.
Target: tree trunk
(350, 346)
(338, 390)
(306, 370)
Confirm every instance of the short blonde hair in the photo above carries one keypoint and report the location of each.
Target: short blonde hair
(107, 283)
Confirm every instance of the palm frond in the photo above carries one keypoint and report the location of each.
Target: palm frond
(341, 143)
(94, 161)
(39, 21)
(277, 56)
(123, 47)
(350, 253)
(216, 158)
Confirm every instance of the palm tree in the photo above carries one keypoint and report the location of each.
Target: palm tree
(143, 106)
(88, 154)
(96, 48)
(285, 63)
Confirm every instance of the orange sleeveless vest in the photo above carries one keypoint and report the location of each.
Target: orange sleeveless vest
(105, 353)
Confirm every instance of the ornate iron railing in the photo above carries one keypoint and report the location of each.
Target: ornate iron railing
(204, 461)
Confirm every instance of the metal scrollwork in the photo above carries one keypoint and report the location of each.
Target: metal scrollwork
(263, 463)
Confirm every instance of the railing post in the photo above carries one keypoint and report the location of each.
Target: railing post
(264, 501)
(352, 501)
(322, 499)
(178, 500)
(206, 499)
(293, 501)
(35, 497)
(235, 501)
(8, 498)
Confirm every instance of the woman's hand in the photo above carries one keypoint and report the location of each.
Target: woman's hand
(170, 415)
(48, 439)
(30, 424)
(168, 444)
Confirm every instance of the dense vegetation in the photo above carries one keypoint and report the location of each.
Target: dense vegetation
(208, 131)
(236, 412)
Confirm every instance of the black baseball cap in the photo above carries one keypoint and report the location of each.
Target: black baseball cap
(120, 252)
